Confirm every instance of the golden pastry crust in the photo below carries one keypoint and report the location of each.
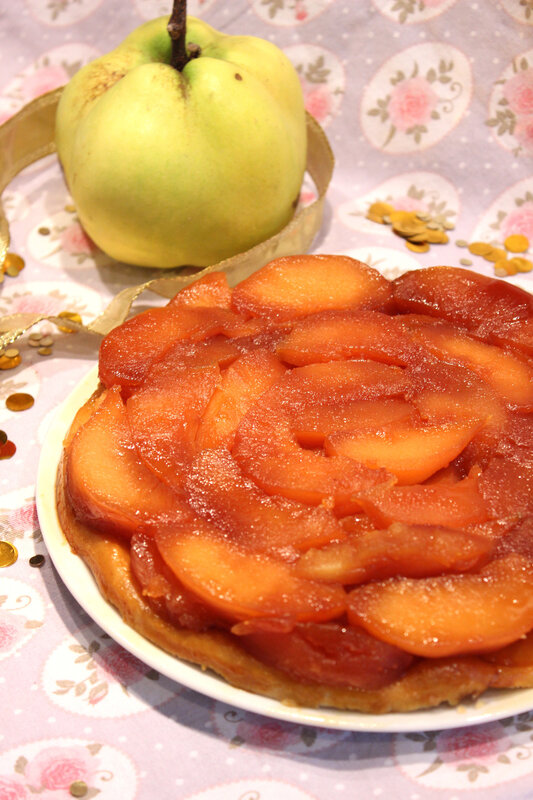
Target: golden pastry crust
(428, 683)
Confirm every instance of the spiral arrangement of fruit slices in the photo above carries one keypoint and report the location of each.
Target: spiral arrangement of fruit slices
(334, 467)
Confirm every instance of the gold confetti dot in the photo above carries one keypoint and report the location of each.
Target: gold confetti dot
(19, 401)
(34, 342)
(47, 341)
(36, 336)
(78, 789)
(461, 243)
(13, 264)
(8, 554)
(495, 255)
(480, 248)
(423, 247)
(378, 209)
(521, 264)
(516, 243)
(70, 209)
(43, 231)
(7, 362)
(466, 262)
(45, 351)
(11, 352)
(73, 316)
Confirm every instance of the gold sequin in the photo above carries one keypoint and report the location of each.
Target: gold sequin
(516, 243)
(480, 248)
(78, 789)
(417, 248)
(73, 316)
(45, 351)
(522, 264)
(495, 255)
(8, 554)
(19, 401)
(13, 264)
(9, 363)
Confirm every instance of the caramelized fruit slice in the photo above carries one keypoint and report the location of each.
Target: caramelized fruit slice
(341, 335)
(332, 654)
(218, 491)
(128, 352)
(411, 452)
(480, 304)
(415, 551)
(242, 384)
(109, 486)
(164, 416)
(295, 286)
(313, 423)
(210, 291)
(449, 615)
(162, 589)
(507, 487)
(456, 505)
(241, 585)
(266, 447)
(510, 376)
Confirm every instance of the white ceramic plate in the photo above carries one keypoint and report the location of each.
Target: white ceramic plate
(79, 581)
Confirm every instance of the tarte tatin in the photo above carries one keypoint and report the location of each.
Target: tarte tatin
(318, 483)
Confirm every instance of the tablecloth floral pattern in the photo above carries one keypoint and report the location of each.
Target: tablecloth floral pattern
(428, 105)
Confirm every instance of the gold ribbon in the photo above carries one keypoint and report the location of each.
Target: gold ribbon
(29, 135)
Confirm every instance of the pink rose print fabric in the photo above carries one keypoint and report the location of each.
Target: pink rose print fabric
(57, 768)
(511, 107)
(411, 103)
(427, 105)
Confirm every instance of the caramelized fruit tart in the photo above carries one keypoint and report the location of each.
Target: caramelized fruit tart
(318, 483)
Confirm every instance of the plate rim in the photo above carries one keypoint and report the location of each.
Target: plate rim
(493, 705)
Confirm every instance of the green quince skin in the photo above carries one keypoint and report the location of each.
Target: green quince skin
(168, 168)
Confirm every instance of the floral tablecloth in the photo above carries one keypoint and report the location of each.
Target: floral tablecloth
(428, 104)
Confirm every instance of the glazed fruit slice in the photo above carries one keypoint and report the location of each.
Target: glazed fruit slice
(415, 551)
(108, 485)
(210, 291)
(341, 335)
(486, 306)
(330, 653)
(296, 286)
(164, 416)
(161, 588)
(241, 585)
(242, 384)
(448, 615)
(128, 352)
(218, 491)
(510, 376)
(411, 452)
(314, 423)
(456, 505)
(266, 447)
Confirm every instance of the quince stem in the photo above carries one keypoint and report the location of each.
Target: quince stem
(177, 26)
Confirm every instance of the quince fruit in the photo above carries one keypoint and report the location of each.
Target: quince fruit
(183, 150)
